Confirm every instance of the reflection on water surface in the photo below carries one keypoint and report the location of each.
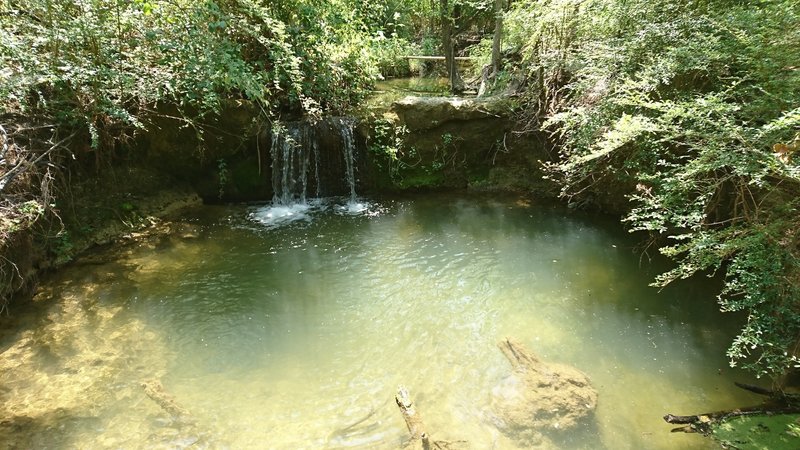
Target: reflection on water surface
(298, 336)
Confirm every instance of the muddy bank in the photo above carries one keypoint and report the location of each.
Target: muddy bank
(100, 209)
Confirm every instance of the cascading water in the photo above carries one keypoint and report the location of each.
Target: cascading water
(346, 126)
(292, 149)
(316, 167)
(295, 148)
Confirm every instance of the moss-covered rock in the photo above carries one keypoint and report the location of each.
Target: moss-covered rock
(447, 142)
(199, 152)
(425, 113)
(774, 432)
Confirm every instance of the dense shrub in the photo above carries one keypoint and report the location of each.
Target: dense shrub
(693, 108)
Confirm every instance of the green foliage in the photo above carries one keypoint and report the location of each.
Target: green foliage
(222, 177)
(691, 108)
(388, 55)
(387, 142)
(103, 64)
(62, 246)
(447, 139)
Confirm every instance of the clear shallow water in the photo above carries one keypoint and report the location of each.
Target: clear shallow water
(388, 91)
(286, 336)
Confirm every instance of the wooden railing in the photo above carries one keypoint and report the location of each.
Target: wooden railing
(438, 58)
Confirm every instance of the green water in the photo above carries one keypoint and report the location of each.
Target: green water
(388, 91)
(297, 336)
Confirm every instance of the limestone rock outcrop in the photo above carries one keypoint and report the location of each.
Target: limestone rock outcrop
(540, 398)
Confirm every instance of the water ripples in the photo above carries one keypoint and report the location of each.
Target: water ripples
(286, 329)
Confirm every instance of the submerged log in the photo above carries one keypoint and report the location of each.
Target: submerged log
(420, 439)
(772, 424)
(777, 403)
(184, 427)
(409, 412)
(155, 390)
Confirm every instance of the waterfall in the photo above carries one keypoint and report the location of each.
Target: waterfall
(313, 158)
(293, 146)
(346, 126)
(315, 148)
(316, 158)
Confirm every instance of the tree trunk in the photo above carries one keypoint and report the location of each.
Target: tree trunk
(499, 7)
(456, 84)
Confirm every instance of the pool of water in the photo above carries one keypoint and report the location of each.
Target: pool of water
(297, 336)
(388, 91)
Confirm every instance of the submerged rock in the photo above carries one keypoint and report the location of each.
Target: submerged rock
(540, 398)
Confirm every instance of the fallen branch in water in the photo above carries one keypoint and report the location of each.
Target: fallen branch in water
(155, 390)
(420, 438)
(777, 403)
(190, 431)
(703, 423)
(364, 429)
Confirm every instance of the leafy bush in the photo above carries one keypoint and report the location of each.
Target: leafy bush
(388, 54)
(79, 78)
(693, 109)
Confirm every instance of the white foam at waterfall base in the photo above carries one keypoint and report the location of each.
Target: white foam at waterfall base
(359, 207)
(277, 215)
(353, 207)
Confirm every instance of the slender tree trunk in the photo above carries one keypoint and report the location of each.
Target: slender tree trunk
(432, 18)
(499, 7)
(456, 84)
(489, 73)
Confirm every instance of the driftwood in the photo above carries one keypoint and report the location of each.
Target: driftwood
(188, 428)
(420, 438)
(703, 423)
(362, 430)
(777, 403)
(155, 390)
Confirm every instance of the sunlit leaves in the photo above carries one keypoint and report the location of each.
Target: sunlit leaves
(692, 107)
(186, 51)
(624, 131)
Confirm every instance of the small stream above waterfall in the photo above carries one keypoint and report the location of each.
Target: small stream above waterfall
(313, 165)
